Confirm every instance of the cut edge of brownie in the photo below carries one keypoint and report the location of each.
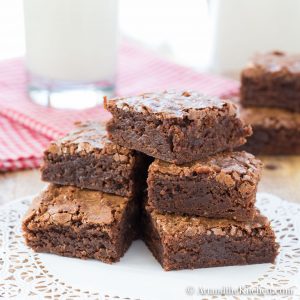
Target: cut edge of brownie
(275, 131)
(178, 139)
(271, 80)
(103, 173)
(87, 159)
(267, 141)
(59, 228)
(200, 247)
(221, 186)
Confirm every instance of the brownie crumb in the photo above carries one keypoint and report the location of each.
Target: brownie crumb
(80, 223)
(221, 186)
(86, 158)
(272, 80)
(179, 242)
(176, 126)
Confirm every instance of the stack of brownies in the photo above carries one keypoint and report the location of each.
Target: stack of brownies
(270, 99)
(195, 203)
(90, 209)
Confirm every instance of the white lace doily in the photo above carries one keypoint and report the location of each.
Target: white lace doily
(28, 275)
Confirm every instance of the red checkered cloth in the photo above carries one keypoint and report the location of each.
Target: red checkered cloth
(26, 128)
(20, 147)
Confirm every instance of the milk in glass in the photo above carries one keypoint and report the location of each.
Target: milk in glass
(241, 28)
(71, 50)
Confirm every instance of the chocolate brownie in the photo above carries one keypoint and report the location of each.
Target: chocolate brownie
(79, 223)
(275, 131)
(177, 127)
(179, 242)
(220, 186)
(272, 80)
(87, 159)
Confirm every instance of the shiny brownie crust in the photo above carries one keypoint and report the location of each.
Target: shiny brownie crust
(179, 242)
(221, 186)
(79, 223)
(272, 80)
(87, 159)
(177, 127)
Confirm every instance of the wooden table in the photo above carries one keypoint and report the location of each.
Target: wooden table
(281, 177)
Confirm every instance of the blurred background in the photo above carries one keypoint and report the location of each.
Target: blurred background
(168, 27)
(215, 35)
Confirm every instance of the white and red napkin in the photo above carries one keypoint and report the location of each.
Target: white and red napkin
(27, 128)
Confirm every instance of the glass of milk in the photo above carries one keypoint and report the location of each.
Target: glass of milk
(242, 28)
(71, 48)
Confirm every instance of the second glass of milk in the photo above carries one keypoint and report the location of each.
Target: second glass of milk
(71, 48)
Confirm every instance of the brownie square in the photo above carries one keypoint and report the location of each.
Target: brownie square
(85, 158)
(177, 127)
(220, 186)
(79, 223)
(181, 242)
(275, 131)
(272, 80)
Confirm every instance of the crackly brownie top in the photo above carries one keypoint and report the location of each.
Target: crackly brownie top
(273, 62)
(173, 104)
(270, 117)
(86, 138)
(66, 205)
(227, 168)
(188, 226)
